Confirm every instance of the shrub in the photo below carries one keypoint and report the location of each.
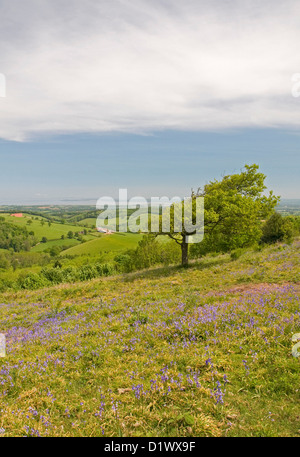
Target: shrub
(105, 269)
(70, 274)
(53, 275)
(55, 250)
(124, 263)
(277, 228)
(6, 284)
(236, 254)
(4, 262)
(170, 253)
(87, 272)
(32, 281)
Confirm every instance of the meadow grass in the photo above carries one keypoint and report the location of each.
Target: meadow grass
(49, 244)
(110, 243)
(201, 351)
(54, 232)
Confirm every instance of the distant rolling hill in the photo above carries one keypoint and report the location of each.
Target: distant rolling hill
(114, 242)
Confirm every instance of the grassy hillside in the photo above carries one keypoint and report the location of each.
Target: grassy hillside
(203, 351)
(49, 244)
(93, 243)
(112, 243)
(52, 232)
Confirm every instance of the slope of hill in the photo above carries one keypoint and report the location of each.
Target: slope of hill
(112, 243)
(40, 227)
(92, 243)
(203, 351)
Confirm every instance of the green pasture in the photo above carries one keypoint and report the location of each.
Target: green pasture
(114, 242)
(49, 244)
(52, 232)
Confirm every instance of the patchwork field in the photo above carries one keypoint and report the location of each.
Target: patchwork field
(52, 232)
(203, 351)
(93, 243)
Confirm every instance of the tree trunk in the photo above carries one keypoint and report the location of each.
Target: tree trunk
(184, 253)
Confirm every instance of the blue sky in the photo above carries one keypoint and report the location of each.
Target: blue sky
(156, 97)
(87, 166)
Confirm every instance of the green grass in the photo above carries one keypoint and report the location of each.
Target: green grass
(110, 243)
(201, 351)
(49, 244)
(53, 232)
(91, 221)
(94, 242)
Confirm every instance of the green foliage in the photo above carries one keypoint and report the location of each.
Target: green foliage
(53, 275)
(278, 228)
(4, 262)
(70, 274)
(236, 254)
(14, 237)
(105, 269)
(32, 281)
(58, 275)
(234, 208)
(296, 223)
(148, 253)
(125, 262)
(87, 272)
(55, 250)
(169, 253)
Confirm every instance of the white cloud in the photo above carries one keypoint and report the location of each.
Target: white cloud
(138, 66)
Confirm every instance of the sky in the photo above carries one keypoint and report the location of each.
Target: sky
(158, 97)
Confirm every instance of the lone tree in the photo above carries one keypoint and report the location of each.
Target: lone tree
(233, 212)
(181, 223)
